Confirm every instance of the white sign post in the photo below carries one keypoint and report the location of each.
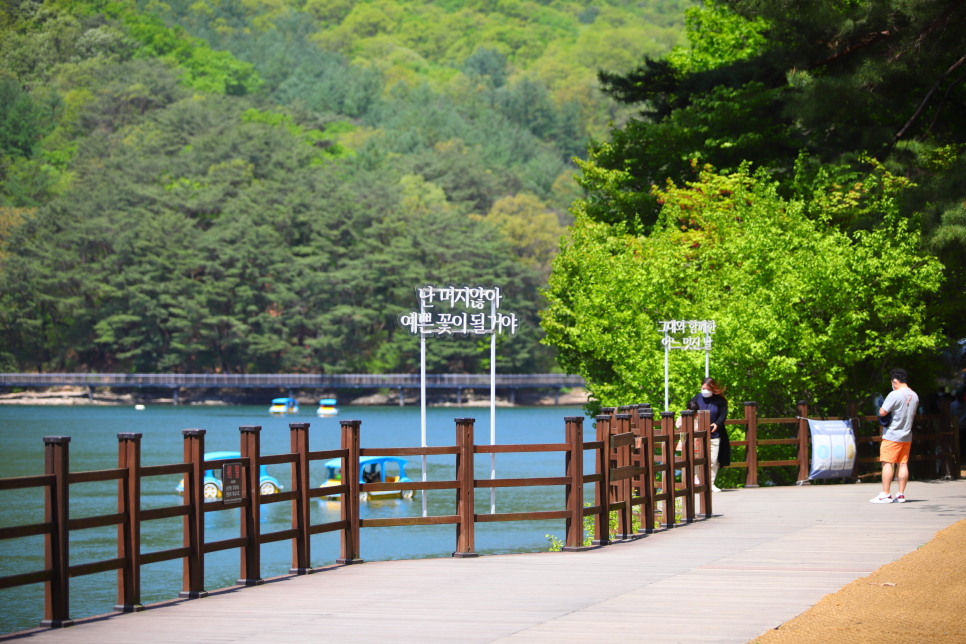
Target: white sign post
(472, 321)
(689, 337)
(493, 407)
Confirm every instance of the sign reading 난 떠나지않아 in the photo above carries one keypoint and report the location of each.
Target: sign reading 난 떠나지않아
(444, 311)
(692, 335)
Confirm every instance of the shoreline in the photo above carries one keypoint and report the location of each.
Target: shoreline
(106, 396)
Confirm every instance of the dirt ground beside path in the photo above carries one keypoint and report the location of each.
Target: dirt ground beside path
(919, 598)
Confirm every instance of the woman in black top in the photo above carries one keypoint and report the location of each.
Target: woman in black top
(712, 398)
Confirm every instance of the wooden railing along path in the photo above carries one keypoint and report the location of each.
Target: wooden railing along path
(636, 469)
(935, 443)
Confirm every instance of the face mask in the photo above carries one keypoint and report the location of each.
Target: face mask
(706, 393)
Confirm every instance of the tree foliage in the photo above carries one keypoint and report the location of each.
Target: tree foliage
(200, 237)
(803, 310)
(532, 230)
(848, 84)
(170, 205)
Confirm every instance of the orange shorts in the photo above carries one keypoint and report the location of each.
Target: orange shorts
(893, 452)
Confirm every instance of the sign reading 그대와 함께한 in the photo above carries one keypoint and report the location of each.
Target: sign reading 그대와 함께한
(692, 335)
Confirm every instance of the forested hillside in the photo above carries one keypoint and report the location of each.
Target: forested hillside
(249, 186)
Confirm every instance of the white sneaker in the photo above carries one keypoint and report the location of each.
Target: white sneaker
(900, 498)
(882, 498)
(715, 488)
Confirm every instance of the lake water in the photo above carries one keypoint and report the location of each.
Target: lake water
(93, 432)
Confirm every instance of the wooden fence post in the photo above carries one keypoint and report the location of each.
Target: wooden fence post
(610, 411)
(635, 412)
(852, 414)
(193, 568)
(687, 471)
(574, 468)
(629, 410)
(56, 550)
(803, 441)
(302, 544)
(465, 502)
(637, 460)
(751, 434)
(950, 424)
(704, 472)
(623, 488)
(251, 563)
(647, 460)
(129, 532)
(667, 463)
(602, 489)
(350, 500)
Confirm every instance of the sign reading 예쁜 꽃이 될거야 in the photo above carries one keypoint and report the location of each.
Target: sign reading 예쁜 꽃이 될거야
(444, 311)
(470, 311)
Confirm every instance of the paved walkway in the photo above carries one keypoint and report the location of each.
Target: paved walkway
(771, 554)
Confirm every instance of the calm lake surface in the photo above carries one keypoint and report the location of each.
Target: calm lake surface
(93, 432)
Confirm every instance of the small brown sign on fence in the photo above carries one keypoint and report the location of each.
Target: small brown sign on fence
(231, 482)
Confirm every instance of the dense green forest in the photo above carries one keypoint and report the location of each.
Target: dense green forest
(257, 186)
(798, 174)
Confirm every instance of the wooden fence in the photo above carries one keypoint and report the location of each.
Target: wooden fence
(935, 443)
(634, 459)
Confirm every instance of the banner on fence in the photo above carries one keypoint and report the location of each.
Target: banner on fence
(833, 449)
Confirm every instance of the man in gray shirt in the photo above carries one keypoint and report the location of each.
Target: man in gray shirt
(902, 403)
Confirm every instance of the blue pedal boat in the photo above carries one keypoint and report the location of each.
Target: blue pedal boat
(213, 486)
(284, 406)
(372, 469)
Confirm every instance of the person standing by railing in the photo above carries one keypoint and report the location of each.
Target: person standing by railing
(902, 403)
(712, 398)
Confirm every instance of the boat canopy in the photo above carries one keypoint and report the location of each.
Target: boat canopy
(328, 402)
(283, 401)
(217, 456)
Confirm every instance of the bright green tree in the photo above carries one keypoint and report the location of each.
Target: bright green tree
(765, 80)
(803, 310)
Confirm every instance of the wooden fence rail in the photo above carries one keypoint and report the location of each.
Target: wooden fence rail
(935, 442)
(642, 464)
(629, 472)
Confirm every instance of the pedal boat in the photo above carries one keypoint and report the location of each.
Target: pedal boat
(213, 486)
(327, 408)
(284, 406)
(372, 469)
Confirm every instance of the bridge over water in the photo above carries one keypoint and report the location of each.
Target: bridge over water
(400, 382)
(768, 555)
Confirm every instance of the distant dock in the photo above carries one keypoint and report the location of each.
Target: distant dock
(292, 382)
